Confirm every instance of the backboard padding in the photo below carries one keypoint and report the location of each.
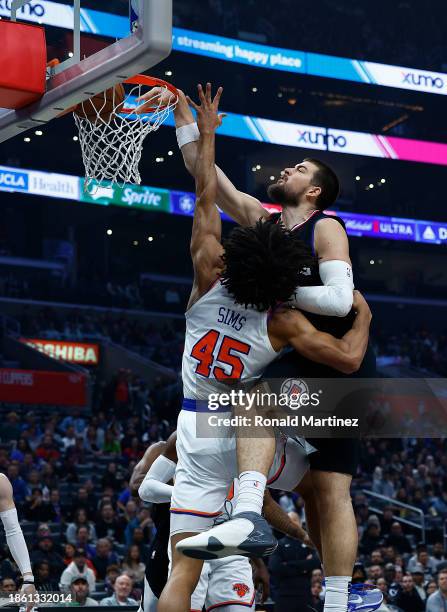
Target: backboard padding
(138, 52)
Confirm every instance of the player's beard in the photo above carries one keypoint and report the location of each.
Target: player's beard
(278, 194)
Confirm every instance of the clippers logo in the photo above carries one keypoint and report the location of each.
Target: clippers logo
(13, 180)
(186, 203)
(422, 80)
(322, 139)
(241, 589)
(32, 9)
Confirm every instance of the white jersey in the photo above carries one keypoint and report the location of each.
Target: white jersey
(223, 341)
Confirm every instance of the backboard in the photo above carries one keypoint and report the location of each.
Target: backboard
(82, 75)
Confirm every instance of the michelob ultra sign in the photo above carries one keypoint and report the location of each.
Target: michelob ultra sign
(73, 352)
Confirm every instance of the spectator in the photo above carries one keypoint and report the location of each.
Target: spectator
(112, 573)
(290, 567)
(408, 598)
(83, 541)
(358, 573)
(438, 600)
(78, 567)
(386, 520)
(103, 557)
(423, 559)
(371, 539)
(316, 589)
(438, 552)
(432, 587)
(132, 564)
(418, 579)
(55, 505)
(45, 552)
(122, 588)
(108, 525)
(19, 487)
(69, 440)
(80, 520)
(36, 509)
(47, 450)
(8, 585)
(398, 540)
(80, 590)
(11, 430)
(111, 478)
(69, 553)
(42, 577)
(83, 500)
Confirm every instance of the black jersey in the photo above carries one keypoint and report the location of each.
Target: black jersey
(158, 564)
(336, 326)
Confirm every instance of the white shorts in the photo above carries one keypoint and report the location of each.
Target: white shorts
(224, 582)
(206, 470)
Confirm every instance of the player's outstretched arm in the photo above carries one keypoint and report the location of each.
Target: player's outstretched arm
(154, 487)
(344, 354)
(240, 206)
(14, 536)
(335, 297)
(206, 248)
(142, 467)
(280, 520)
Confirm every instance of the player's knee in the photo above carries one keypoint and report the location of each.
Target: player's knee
(331, 488)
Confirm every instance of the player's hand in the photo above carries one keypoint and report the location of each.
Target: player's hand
(360, 304)
(29, 590)
(261, 579)
(208, 119)
(307, 541)
(157, 96)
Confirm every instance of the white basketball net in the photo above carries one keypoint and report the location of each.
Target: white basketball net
(112, 147)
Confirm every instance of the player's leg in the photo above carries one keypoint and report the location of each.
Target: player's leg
(305, 489)
(247, 533)
(255, 450)
(185, 574)
(338, 531)
(149, 601)
(230, 585)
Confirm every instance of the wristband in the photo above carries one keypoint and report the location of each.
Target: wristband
(186, 134)
(28, 581)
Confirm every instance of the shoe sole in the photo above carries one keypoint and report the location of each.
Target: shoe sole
(214, 549)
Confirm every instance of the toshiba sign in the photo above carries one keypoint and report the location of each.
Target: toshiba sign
(74, 352)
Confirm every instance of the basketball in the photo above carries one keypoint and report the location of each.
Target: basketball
(104, 104)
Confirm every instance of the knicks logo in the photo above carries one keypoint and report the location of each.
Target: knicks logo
(241, 589)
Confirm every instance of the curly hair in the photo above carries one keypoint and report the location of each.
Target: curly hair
(262, 264)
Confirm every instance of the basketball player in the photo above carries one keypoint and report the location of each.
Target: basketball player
(15, 540)
(222, 580)
(258, 268)
(157, 567)
(305, 191)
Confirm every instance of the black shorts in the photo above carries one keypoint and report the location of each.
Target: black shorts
(341, 455)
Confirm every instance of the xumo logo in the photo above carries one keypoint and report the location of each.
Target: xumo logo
(294, 388)
(422, 80)
(31, 9)
(322, 139)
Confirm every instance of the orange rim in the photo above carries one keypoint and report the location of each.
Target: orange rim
(148, 81)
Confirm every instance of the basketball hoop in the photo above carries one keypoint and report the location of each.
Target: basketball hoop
(111, 134)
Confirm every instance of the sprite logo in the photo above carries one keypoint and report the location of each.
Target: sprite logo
(130, 196)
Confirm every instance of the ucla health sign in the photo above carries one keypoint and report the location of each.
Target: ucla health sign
(153, 199)
(13, 180)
